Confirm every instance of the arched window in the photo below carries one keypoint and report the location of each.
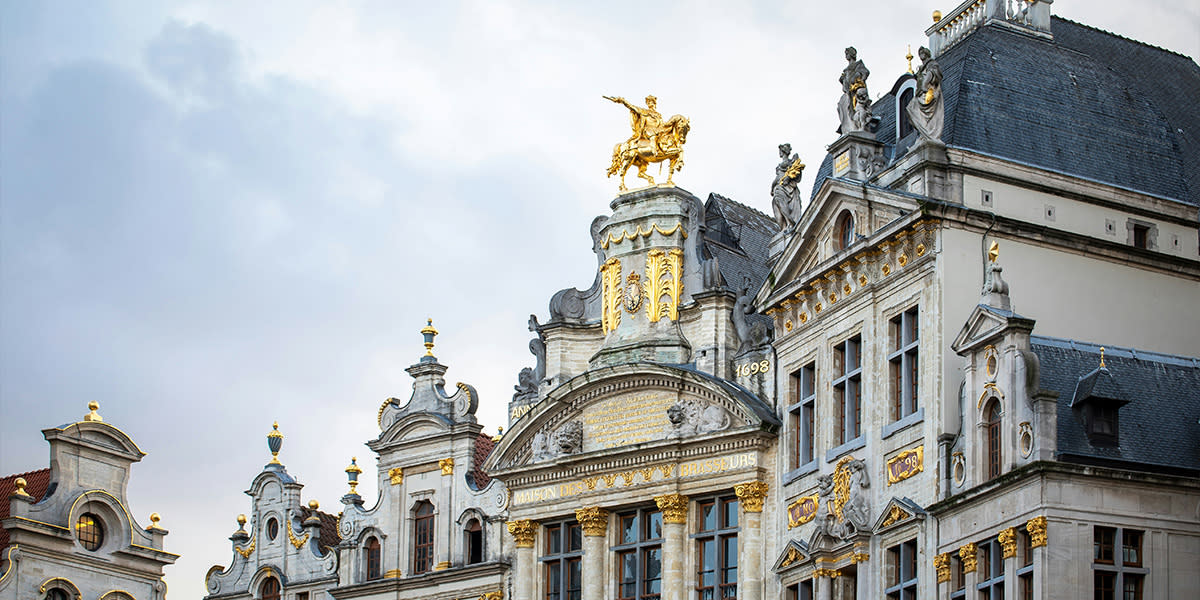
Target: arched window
(904, 124)
(269, 590)
(57, 594)
(992, 437)
(373, 559)
(272, 528)
(844, 231)
(90, 531)
(473, 542)
(423, 537)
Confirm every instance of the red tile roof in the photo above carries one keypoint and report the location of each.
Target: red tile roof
(483, 448)
(35, 485)
(329, 534)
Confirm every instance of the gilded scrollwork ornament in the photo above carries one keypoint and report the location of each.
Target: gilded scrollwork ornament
(968, 556)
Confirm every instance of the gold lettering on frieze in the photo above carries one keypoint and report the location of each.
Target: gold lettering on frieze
(753, 368)
(625, 420)
(696, 468)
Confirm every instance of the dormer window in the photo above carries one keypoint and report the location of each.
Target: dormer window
(1097, 402)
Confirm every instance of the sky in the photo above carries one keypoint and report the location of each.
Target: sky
(217, 215)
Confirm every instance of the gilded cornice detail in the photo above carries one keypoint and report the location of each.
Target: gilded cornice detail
(626, 235)
(674, 508)
(245, 552)
(594, 521)
(837, 283)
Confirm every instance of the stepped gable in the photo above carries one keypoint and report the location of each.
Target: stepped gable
(1158, 426)
(36, 483)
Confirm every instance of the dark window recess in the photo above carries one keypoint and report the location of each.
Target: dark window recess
(1118, 571)
(992, 433)
(473, 534)
(905, 333)
(847, 388)
(803, 410)
(639, 555)
(906, 126)
(1141, 236)
(423, 537)
(800, 591)
(374, 563)
(269, 590)
(902, 571)
(716, 542)
(272, 528)
(90, 531)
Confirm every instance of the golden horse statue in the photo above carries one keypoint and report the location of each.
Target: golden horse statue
(653, 141)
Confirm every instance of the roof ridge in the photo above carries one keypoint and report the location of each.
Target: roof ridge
(16, 475)
(739, 204)
(1119, 36)
(1110, 351)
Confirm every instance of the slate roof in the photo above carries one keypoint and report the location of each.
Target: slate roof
(1159, 428)
(738, 236)
(36, 483)
(1089, 103)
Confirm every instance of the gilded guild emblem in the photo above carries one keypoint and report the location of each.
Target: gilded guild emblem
(633, 293)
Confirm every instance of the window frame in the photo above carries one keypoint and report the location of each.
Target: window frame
(989, 569)
(276, 594)
(568, 555)
(1024, 564)
(373, 558)
(993, 438)
(904, 362)
(1120, 572)
(902, 562)
(90, 535)
(643, 544)
(721, 534)
(848, 386)
(424, 539)
(474, 551)
(803, 411)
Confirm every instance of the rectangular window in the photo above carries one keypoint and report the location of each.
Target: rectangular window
(903, 362)
(1024, 564)
(1141, 234)
(423, 537)
(803, 414)
(1119, 571)
(989, 570)
(301, 595)
(847, 388)
(902, 571)
(716, 545)
(561, 561)
(800, 591)
(958, 577)
(639, 555)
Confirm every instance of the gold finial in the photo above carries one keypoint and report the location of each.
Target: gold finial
(499, 434)
(93, 416)
(428, 331)
(274, 443)
(154, 519)
(241, 521)
(1102, 357)
(993, 251)
(21, 483)
(313, 504)
(352, 472)
(908, 56)
(937, 16)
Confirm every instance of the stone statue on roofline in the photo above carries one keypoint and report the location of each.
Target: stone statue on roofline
(785, 196)
(925, 110)
(854, 107)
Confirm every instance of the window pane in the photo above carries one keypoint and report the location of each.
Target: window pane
(708, 516)
(731, 513)
(652, 558)
(654, 525)
(1132, 587)
(1102, 546)
(1105, 584)
(629, 529)
(708, 562)
(575, 533)
(553, 540)
(1131, 548)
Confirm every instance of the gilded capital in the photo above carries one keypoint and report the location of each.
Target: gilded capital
(674, 508)
(1037, 531)
(447, 465)
(594, 521)
(396, 475)
(1008, 542)
(967, 554)
(751, 494)
(523, 532)
(941, 563)
(830, 573)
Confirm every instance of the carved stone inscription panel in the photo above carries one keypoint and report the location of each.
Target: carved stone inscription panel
(624, 420)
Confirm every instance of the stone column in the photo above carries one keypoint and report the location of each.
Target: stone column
(445, 507)
(1008, 554)
(594, 521)
(968, 556)
(941, 563)
(823, 583)
(524, 533)
(750, 547)
(674, 509)
(1038, 542)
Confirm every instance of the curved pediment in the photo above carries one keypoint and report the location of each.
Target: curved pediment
(415, 426)
(98, 435)
(627, 405)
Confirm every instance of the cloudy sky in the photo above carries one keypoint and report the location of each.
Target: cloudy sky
(218, 215)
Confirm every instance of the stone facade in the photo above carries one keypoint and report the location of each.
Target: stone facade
(68, 530)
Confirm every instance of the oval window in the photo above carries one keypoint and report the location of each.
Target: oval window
(272, 528)
(90, 531)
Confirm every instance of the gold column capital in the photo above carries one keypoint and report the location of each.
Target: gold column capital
(1008, 542)
(674, 507)
(751, 494)
(941, 562)
(830, 573)
(967, 554)
(396, 475)
(523, 532)
(447, 466)
(594, 521)
(1037, 531)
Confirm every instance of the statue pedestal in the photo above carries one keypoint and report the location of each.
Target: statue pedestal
(857, 155)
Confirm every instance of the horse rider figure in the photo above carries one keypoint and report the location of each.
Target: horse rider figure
(646, 122)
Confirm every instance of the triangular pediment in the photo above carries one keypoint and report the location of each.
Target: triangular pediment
(898, 512)
(984, 325)
(794, 554)
(637, 404)
(802, 251)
